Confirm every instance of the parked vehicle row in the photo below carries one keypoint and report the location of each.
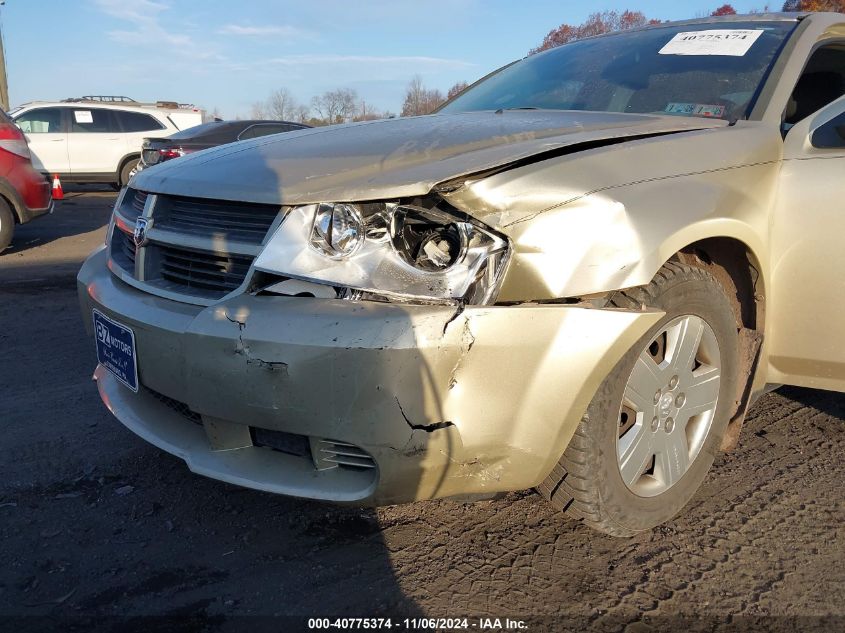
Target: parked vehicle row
(99, 139)
(96, 139)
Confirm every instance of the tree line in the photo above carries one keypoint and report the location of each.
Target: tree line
(602, 22)
(344, 105)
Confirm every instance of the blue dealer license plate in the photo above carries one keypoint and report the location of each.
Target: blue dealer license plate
(116, 349)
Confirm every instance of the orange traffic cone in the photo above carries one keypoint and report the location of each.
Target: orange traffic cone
(58, 194)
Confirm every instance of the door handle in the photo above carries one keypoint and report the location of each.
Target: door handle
(57, 140)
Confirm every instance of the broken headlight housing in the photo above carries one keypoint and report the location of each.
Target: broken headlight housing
(392, 250)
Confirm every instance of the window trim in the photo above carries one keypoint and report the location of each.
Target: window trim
(113, 121)
(117, 113)
(816, 47)
(254, 125)
(62, 118)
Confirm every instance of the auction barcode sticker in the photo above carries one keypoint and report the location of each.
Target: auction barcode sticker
(732, 42)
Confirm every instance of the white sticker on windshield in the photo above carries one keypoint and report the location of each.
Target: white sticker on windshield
(732, 42)
(83, 116)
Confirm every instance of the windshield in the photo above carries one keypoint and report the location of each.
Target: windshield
(710, 70)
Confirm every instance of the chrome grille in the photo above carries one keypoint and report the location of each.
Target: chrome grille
(204, 271)
(199, 249)
(123, 250)
(133, 204)
(235, 220)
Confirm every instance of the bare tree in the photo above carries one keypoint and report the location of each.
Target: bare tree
(366, 112)
(419, 99)
(336, 106)
(456, 89)
(282, 105)
(301, 114)
(258, 110)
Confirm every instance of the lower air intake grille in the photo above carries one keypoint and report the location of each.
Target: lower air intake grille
(179, 407)
(331, 453)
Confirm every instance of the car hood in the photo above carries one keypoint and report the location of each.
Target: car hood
(391, 158)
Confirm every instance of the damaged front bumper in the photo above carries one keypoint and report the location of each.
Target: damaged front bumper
(394, 402)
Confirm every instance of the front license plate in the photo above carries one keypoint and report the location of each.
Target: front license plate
(116, 349)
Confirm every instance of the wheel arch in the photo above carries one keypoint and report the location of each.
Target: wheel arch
(737, 268)
(126, 159)
(10, 196)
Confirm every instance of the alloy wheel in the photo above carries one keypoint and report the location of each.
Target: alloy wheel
(668, 406)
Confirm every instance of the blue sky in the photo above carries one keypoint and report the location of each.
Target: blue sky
(227, 55)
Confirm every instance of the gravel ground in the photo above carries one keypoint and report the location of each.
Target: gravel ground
(99, 530)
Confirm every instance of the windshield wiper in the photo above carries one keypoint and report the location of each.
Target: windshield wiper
(501, 110)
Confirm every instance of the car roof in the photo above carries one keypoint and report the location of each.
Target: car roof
(227, 130)
(96, 104)
(728, 19)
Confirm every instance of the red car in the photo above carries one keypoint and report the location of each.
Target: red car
(24, 193)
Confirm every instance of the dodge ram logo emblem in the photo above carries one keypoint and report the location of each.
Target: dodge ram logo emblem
(139, 236)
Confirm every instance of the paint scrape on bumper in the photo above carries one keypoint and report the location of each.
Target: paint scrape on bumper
(482, 402)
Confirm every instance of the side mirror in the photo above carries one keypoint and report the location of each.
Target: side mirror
(830, 135)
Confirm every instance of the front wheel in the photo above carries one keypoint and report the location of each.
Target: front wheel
(128, 171)
(653, 428)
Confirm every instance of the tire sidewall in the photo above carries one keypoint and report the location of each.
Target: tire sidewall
(7, 225)
(703, 298)
(126, 169)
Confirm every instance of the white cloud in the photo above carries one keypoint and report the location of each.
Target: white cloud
(280, 30)
(312, 60)
(147, 30)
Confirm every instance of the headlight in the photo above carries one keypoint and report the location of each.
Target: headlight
(394, 250)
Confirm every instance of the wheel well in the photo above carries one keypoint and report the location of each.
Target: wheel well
(12, 208)
(125, 160)
(735, 267)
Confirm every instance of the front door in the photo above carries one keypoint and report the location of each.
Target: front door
(47, 137)
(805, 324)
(95, 144)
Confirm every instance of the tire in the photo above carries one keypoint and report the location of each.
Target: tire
(128, 166)
(7, 225)
(621, 476)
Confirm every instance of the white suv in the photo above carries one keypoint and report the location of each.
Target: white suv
(96, 139)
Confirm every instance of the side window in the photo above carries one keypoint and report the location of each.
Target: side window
(821, 83)
(263, 129)
(41, 121)
(93, 120)
(137, 122)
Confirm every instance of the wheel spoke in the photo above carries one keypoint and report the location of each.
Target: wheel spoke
(673, 459)
(685, 342)
(635, 452)
(644, 382)
(703, 392)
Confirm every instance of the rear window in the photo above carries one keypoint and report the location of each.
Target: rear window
(137, 122)
(215, 130)
(263, 129)
(93, 120)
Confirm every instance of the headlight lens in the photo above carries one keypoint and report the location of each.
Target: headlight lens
(338, 230)
(399, 251)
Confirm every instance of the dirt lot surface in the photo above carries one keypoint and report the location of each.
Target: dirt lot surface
(100, 531)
